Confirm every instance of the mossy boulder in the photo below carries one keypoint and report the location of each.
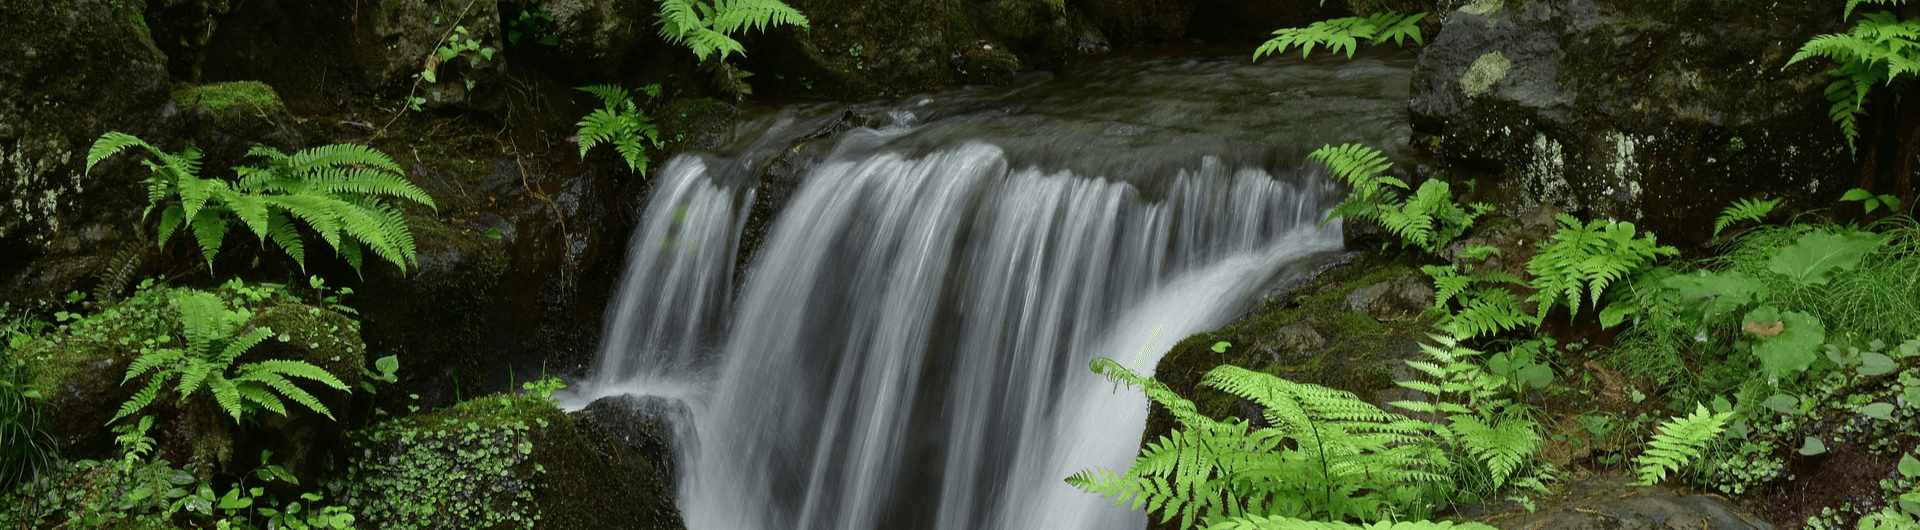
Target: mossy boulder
(302, 439)
(1654, 112)
(70, 71)
(502, 461)
(438, 318)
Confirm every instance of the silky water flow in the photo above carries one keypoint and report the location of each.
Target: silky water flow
(908, 345)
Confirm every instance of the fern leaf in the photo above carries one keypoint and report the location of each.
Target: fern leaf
(1679, 441)
(210, 230)
(227, 394)
(111, 143)
(140, 399)
(732, 16)
(300, 369)
(260, 395)
(1743, 210)
(282, 233)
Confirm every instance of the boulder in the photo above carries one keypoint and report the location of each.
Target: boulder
(70, 71)
(1654, 112)
(1394, 299)
(653, 426)
(1611, 503)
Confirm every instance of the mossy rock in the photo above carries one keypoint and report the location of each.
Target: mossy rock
(302, 439)
(498, 462)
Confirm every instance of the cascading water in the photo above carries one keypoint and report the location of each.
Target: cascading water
(909, 348)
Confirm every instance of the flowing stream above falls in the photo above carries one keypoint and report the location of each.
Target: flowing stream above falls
(882, 315)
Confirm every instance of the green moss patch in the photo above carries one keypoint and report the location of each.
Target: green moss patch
(219, 97)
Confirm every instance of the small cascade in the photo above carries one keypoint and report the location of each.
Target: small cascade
(909, 346)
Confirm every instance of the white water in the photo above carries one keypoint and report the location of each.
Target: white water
(910, 348)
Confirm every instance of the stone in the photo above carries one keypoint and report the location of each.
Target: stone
(1659, 113)
(1611, 503)
(1297, 339)
(654, 426)
(1394, 299)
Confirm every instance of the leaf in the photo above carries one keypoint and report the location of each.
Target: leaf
(1813, 446)
(1797, 345)
(1872, 364)
(1221, 347)
(1782, 403)
(1879, 411)
(1813, 257)
(1909, 466)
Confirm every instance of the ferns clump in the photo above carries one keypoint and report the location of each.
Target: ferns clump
(216, 336)
(1583, 259)
(707, 27)
(619, 121)
(1679, 441)
(1880, 49)
(335, 190)
(1344, 33)
(1743, 210)
(1428, 220)
(1327, 454)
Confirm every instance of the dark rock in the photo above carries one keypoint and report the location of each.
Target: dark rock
(1293, 340)
(653, 426)
(1611, 503)
(1657, 112)
(1394, 299)
(302, 439)
(70, 71)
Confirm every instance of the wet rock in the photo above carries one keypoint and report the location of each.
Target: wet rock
(1394, 299)
(1611, 503)
(1656, 112)
(650, 425)
(70, 71)
(1293, 340)
(302, 439)
(601, 36)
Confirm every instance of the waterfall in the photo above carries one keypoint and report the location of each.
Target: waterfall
(909, 346)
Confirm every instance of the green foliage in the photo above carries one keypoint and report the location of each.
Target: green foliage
(1486, 435)
(1880, 49)
(1344, 33)
(27, 451)
(1428, 220)
(334, 190)
(1743, 210)
(619, 121)
(536, 24)
(452, 469)
(1486, 307)
(543, 388)
(1581, 260)
(1813, 258)
(1871, 201)
(1679, 441)
(1327, 453)
(216, 336)
(707, 27)
(1284, 523)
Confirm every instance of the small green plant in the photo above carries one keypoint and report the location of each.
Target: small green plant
(1880, 49)
(620, 122)
(1428, 220)
(1344, 33)
(215, 338)
(1743, 210)
(1870, 200)
(543, 388)
(1679, 442)
(707, 28)
(450, 469)
(1327, 454)
(536, 24)
(1581, 260)
(335, 190)
(458, 44)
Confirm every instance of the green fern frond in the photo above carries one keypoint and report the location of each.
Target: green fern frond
(732, 16)
(1679, 441)
(113, 142)
(1743, 210)
(1504, 447)
(140, 399)
(1581, 260)
(1851, 4)
(1488, 311)
(1344, 33)
(621, 123)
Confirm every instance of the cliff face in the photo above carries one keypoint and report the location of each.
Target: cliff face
(1660, 113)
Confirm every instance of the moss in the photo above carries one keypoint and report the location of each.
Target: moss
(219, 97)
(325, 338)
(1484, 72)
(1353, 326)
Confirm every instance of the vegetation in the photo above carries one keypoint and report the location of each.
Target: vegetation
(1880, 49)
(707, 28)
(216, 335)
(336, 191)
(620, 122)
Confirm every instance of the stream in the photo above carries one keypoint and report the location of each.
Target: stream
(901, 339)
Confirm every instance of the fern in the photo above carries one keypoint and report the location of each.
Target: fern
(1429, 219)
(1879, 49)
(1327, 452)
(1583, 259)
(1483, 431)
(1255, 522)
(619, 121)
(336, 190)
(1344, 33)
(1743, 210)
(707, 28)
(216, 337)
(1679, 441)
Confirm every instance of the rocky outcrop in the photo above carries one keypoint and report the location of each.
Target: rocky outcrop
(69, 71)
(1658, 112)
